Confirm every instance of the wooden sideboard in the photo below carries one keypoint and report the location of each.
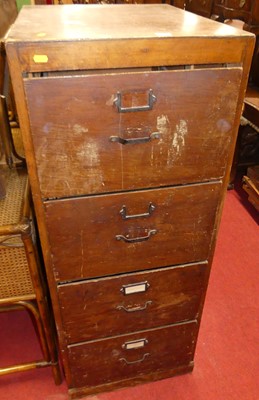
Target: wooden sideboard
(129, 152)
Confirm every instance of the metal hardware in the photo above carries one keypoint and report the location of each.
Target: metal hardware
(124, 215)
(137, 239)
(145, 139)
(149, 106)
(244, 122)
(242, 3)
(135, 344)
(133, 309)
(135, 288)
(136, 361)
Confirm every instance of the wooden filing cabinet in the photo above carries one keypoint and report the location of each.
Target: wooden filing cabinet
(129, 116)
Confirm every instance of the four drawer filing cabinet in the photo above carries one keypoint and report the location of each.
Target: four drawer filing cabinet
(129, 116)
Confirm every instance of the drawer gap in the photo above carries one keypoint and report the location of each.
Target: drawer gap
(76, 281)
(84, 72)
(135, 332)
(207, 182)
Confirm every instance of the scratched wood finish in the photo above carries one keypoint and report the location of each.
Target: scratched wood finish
(170, 295)
(72, 145)
(135, 43)
(164, 349)
(83, 231)
(69, 40)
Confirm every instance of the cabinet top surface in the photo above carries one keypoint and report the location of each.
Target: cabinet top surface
(108, 22)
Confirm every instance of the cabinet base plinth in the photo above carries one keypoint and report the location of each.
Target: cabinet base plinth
(77, 393)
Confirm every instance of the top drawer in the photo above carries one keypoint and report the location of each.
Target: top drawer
(109, 132)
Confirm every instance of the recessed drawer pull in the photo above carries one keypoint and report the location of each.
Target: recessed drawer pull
(137, 239)
(123, 212)
(147, 107)
(136, 361)
(145, 139)
(133, 309)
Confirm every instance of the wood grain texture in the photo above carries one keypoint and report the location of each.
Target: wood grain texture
(120, 32)
(191, 213)
(111, 22)
(167, 348)
(83, 231)
(172, 295)
(73, 119)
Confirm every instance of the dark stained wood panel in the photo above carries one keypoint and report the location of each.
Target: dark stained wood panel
(103, 361)
(74, 118)
(83, 231)
(128, 303)
(110, 212)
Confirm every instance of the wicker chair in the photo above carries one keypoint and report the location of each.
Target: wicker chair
(21, 279)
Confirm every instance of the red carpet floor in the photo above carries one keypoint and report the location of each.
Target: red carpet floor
(227, 354)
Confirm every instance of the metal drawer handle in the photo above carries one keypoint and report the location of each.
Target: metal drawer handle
(136, 361)
(137, 239)
(145, 139)
(149, 106)
(133, 309)
(124, 215)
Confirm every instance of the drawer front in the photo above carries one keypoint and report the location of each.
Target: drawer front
(129, 303)
(125, 357)
(104, 235)
(112, 132)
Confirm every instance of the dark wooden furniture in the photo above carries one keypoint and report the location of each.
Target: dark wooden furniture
(248, 144)
(222, 10)
(129, 151)
(249, 148)
(200, 7)
(247, 11)
(251, 185)
(233, 12)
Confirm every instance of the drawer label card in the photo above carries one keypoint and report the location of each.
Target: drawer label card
(135, 344)
(135, 288)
